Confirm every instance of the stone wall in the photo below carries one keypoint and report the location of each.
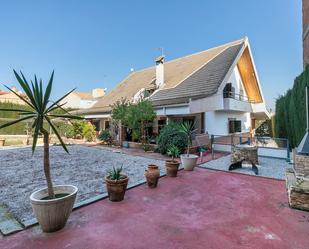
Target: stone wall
(301, 165)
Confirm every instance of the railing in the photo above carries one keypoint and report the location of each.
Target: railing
(267, 145)
(236, 96)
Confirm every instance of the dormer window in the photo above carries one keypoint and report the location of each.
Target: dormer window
(229, 91)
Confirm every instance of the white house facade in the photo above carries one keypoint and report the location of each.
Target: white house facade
(218, 88)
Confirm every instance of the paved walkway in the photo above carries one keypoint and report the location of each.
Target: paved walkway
(199, 209)
(268, 167)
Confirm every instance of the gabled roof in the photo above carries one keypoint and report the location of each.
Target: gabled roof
(83, 95)
(181, 78)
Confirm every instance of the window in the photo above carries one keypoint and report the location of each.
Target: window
(234, 126)
(229, 91)
(107, 125)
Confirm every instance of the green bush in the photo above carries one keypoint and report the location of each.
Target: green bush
(170, 135)
(105, 136)
(78, 128)
(89, 132)
(65, 129)
(290, 119)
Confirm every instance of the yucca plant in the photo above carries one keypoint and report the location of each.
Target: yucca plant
(188, 128)
(115, 174)
(41, 110)
(173, 151)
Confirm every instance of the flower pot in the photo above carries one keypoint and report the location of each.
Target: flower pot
(188, 161)
(171, 168)
(52, 214)
(152, 175)
(2, 142)
(116, 188)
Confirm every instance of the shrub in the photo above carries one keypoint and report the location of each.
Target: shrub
(65, 129)
(171, 135)
(78, 128)
(290, 119)
(106, 136)
(89, 132)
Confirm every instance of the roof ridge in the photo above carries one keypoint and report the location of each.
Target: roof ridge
(232, 43)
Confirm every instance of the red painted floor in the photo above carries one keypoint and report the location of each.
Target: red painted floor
(199, 209)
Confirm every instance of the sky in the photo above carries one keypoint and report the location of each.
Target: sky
(95, 43)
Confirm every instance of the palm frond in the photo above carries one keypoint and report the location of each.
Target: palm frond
(16, 121)
(25, 86)
(59, 100)
(57, 134)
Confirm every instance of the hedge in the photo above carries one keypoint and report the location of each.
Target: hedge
(290, 119)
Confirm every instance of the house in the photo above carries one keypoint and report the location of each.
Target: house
(217, 88)
(83, 100)
(305, 32)
(9, 97)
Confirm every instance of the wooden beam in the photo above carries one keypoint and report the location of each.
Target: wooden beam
(246, 70)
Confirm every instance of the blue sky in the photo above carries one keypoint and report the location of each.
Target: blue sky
(95, 43)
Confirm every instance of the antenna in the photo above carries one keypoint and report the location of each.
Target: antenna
(162, 51)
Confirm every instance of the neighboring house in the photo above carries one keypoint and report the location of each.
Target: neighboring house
(9, 97)
(82, 100)
(218, 88)
(305, 32)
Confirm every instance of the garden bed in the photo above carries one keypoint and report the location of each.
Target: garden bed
(85, 167)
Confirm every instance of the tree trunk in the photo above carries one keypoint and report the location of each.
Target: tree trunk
(46, 165)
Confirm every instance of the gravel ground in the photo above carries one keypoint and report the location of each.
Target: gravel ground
(85, 167)
(268, 167)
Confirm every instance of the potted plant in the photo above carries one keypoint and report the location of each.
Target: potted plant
(172, 165)
(116, 184)
(52, 205)
(188, 160)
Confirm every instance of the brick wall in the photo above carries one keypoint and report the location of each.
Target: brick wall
(305, 10)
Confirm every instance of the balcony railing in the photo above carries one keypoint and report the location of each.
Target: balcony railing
(236, 96)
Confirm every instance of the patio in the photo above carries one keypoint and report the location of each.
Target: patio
(85, 167)
(199, 209)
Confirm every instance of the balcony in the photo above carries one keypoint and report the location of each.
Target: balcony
(236, 102)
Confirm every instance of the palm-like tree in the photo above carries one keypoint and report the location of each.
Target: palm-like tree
(41, 110)
(188, 128)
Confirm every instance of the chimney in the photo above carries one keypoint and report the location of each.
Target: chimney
(160, 71)
(98, 92)
(305, 13)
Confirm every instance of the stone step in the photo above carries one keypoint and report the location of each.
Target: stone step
(8, 224)
(298, 191)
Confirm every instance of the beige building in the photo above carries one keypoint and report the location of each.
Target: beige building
(83, 100)
(9, 97)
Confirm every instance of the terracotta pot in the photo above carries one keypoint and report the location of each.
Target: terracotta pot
(152, 175)
(171, 168)
(53, 214)
(116, 188)
(188, 161)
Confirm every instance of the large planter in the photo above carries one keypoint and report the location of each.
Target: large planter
(188, 161)
(52, 215)
(152, 175)
(116, 188)
(2, 142)
(171, 167)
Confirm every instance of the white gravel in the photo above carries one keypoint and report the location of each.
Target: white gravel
(268, 167)
(85, 167)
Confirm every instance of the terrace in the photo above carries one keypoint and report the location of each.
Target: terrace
(198, 209)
